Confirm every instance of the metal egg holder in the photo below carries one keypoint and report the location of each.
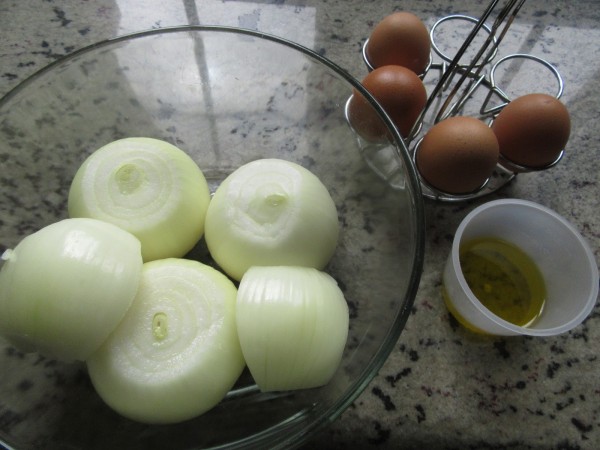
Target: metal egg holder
(382, 159)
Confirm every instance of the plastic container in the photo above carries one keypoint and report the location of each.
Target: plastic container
(563, 257)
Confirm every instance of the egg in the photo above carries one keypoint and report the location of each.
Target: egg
(399, 39)
(401, 94)
(457, 155)
(532, 130)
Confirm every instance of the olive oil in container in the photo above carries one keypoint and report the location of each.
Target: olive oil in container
(504, 279)
(518, 268)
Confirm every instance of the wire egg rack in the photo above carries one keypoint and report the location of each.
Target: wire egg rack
(467, 88)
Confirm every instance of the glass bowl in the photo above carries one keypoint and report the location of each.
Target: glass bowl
(225, 96)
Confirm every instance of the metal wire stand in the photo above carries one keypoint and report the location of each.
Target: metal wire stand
(454, 84)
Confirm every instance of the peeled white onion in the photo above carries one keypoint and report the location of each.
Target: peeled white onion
(292, 324)
(64, 288)
(176, 353)
(271, 212)
(148, 187)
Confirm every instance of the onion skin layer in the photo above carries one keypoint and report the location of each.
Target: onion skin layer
(65, 288)
(293, 325)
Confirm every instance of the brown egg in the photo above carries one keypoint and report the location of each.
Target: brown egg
(399, 91)
(400, 39)
(532, 130)
(457, 155)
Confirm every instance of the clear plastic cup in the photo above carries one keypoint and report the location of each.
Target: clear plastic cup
(563, 257)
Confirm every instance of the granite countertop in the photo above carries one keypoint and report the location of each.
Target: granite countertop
(442, 386)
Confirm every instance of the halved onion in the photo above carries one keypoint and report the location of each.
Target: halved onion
(176, 353)
(148, 187)
(64, 288)
(271, 212)
(292, 324)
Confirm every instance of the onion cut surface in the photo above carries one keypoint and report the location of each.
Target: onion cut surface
(292, 324)
(65, 288)
(176, 353)
(148, 187)
(271, 212)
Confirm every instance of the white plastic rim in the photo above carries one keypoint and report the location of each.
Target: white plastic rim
(563, 256)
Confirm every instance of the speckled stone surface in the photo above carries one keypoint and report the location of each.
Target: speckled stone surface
(442, 386)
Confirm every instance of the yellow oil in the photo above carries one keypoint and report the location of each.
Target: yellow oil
(458, 316)
(504, 279)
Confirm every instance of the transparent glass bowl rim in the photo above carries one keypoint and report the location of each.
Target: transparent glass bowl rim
(340, 405)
